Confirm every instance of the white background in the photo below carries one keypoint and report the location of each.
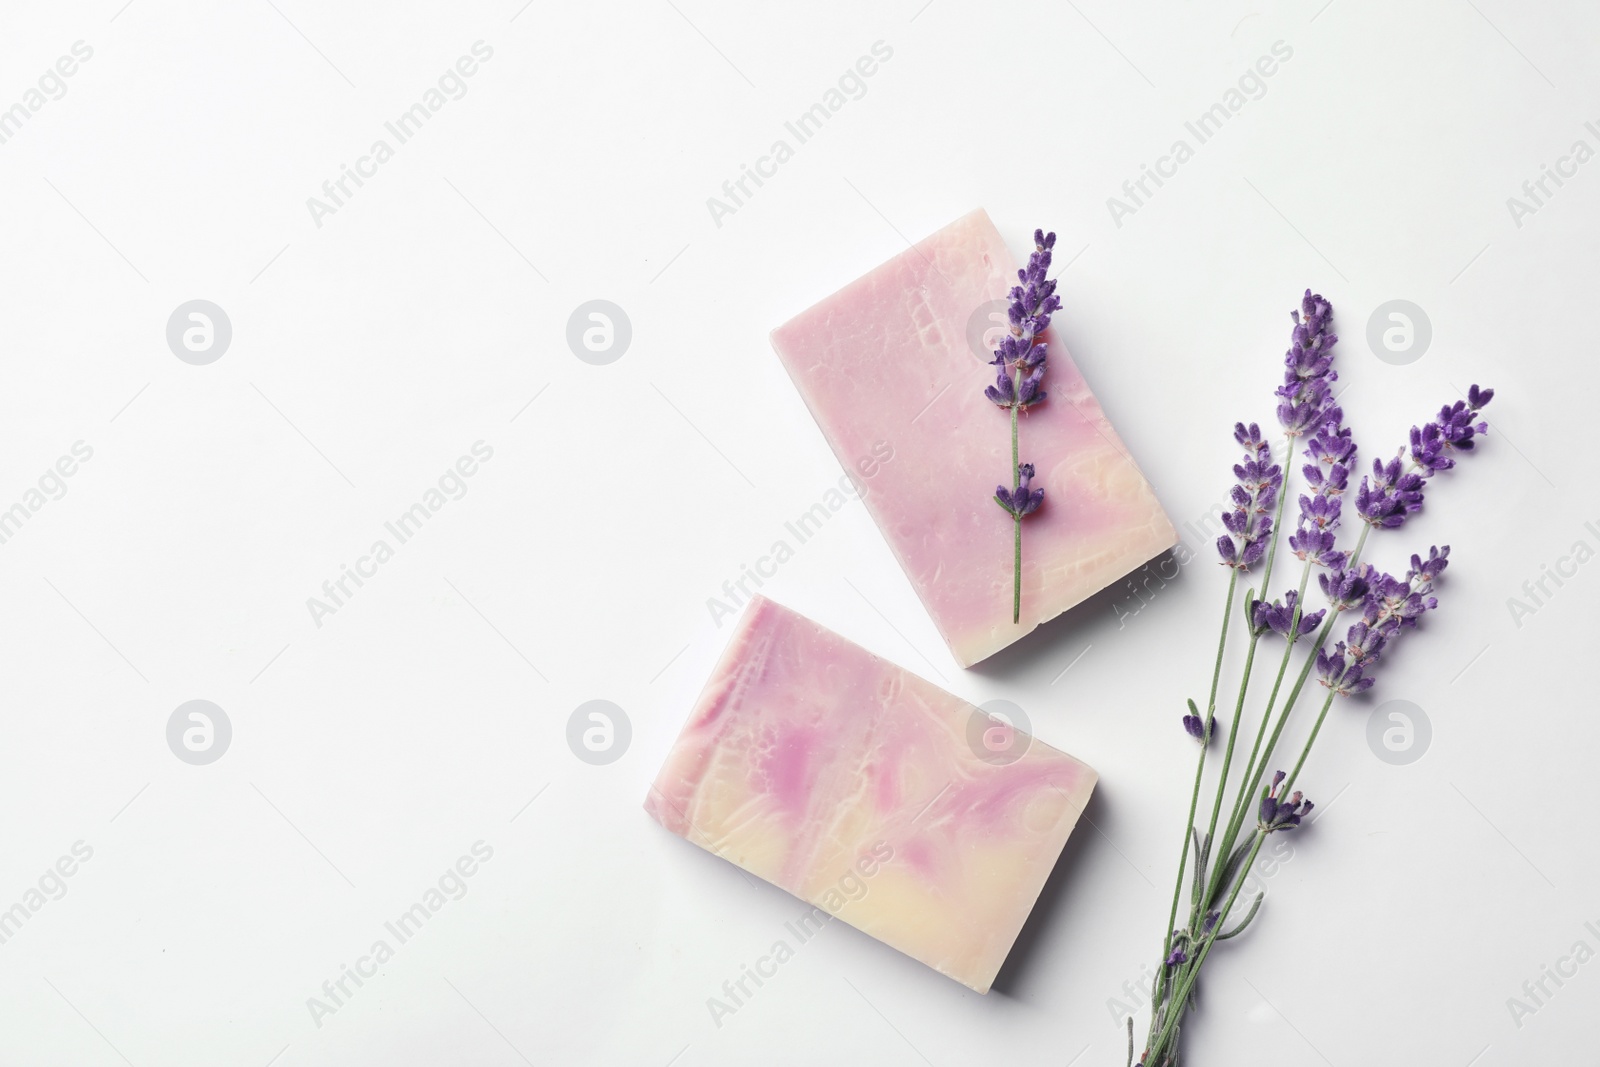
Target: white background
(371, 352)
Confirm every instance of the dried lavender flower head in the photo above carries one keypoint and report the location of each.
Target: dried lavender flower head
(1249, 524)
(1022, 500)
(1344, 589)
(1389, 606)
(1306, 395)
(1279, 617)
(1033, 301)
(1278, 814)
(1393, 492)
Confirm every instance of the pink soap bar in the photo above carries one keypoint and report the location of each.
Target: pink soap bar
(870, 793)
(898, 357)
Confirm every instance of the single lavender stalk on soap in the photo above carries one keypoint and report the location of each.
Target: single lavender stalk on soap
(1388, 607)
(1019, 363)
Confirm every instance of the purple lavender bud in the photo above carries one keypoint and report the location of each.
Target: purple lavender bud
(1333, 444)
(1001, 391)
(1268, 810)
(1321, 512)
(1331, 665)
(1479, 398)
(1338, 672)
(1021, 500)
(1275, 814)
(1315, 545)
(1344, 589)
(1392, 603)
(1365, 642)
(1178, 956)
(1031, 393)
(1297, 417)
(1424, 572)
(1196, 728)
(1280, 617)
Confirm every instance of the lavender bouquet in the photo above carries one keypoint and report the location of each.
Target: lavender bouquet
(1384, 608)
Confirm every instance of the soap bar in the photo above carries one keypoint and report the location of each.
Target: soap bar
(870, 793)
(898, 358)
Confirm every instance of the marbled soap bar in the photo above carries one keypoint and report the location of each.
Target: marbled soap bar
(870, 793)
(899, 356)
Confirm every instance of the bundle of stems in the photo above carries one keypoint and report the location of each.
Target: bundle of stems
(1215, 861)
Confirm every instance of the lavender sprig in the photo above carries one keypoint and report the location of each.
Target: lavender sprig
(1019, 372)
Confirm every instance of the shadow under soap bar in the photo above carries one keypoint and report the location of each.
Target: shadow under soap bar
(898, 357)
(870, 793)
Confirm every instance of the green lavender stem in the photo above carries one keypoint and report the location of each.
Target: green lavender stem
(1248, 789)
(1191, 972)
(1016, 483)
(1241, 800)
(1306, 751)
(1194, 798)
(1251, 772)
(1178, 1003)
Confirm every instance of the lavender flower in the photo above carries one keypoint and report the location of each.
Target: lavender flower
(1249, 524)
(1389, 606)
(1278, 814)
(1019, 372)
(1195, 727)
(1394, 603)
(1365, 642)
(1032, 304)
(1389, 494)
(1279, 617)
(1392, 493)
(1332, 452)
(1344, 589)
(1021, 500)
(1305, 397)
(1428, 570)
(1338, 671)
